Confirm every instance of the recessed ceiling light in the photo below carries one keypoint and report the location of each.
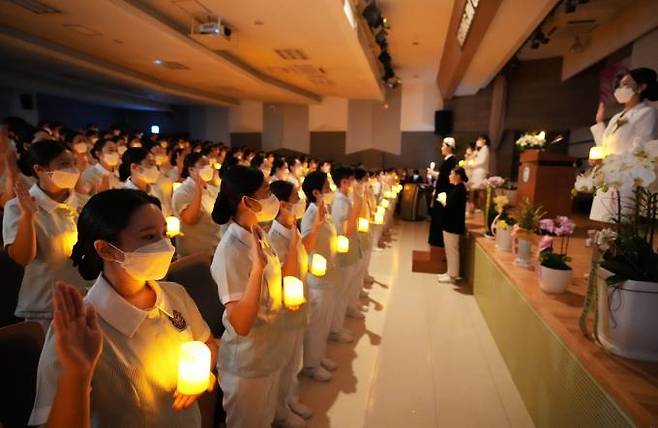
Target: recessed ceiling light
(415, 43)
(118, 42)
(258, 22)
(157, 62)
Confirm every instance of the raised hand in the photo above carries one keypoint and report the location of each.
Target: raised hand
(258, 256)
(600, 112)
(26, 202)
(322, 212)
(183, 402)
(78, 338)
(103, 183)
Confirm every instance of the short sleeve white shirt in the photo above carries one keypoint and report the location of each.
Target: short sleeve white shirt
(204, 235)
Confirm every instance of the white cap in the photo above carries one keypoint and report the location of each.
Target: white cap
(449, 141)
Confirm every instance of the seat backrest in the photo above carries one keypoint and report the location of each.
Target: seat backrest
(11, 276)
(193, 273)
(20, 348)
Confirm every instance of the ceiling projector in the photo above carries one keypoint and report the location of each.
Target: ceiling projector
(213, 27)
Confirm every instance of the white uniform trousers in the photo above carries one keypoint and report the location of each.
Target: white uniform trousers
(359, 278)
(345, 285)
(322, 301)
(249, 402)
(288, 382)
(451, 243)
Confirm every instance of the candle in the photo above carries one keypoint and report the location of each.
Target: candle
(217, 166)
(342, 244)
(385, 203)
(363, 225)
(173, 226)
(389, 194)
(432, 165)
(596, 153)
(176, 185)
(318, 265)
(379, 218)
(193, 368)
(462, 163)
(293, 292)
(381, 211)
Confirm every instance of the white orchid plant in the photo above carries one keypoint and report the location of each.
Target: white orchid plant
(531, 140)
(632, 178)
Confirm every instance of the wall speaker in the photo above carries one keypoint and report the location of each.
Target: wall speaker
(443, 121)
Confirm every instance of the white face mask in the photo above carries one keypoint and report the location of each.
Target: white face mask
(206, 173)
(269, 208)
(328, 198)
(65, 178)
(150, 262)
(150, 174)
(122, 149)
(80, 148)
(299, 208)
(111, 159)
(623, 94)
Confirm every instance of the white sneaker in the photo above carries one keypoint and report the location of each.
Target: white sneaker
(292, 421)
(301, 409)
(363, 294)
(343, 336)
(354, 312)
(369, 279)
(329, 364)
(445, 278)
(317, 374)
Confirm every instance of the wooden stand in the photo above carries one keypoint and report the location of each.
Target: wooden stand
(546, 179)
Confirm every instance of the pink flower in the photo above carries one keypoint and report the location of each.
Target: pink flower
(547, 225)
(565, 226)
(545, 243)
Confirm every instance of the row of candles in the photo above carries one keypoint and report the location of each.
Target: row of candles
(194, 363)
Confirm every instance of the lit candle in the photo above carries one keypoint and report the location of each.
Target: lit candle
(432, 165)
(173, 226)
(389, 195)
(342, 244)
(293, 292)
(596, 153)
(363, 225)
(385, 203)
(381, 211)
(176, 185)
(193, 368)
(217, 166)
(379, 218)
(318, 265)
(462, 163)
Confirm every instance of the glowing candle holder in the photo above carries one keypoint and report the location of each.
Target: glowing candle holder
(461, 163)
(389, 194)
(193, 368)
(385, 204)
(176, 185)
(173, 226)
(432, 165)
(379, 218)
(293, 292)
(381, 211)
(217, 166)
(318, 265)
(596, 153)
(342, 244)
(363, 225)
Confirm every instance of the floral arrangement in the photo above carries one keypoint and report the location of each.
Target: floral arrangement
(629, 253)
(502, 206)
(529, 216)
(531, 141)
(562, 227)
(494, 182)
(490, 184)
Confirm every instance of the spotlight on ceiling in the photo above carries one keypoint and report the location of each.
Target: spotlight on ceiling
(538, 39)
(373, 15)
(380, 38)
(571, 5)
(385, 58)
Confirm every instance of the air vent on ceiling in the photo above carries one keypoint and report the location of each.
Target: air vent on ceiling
(322, 82)
(173, 65)
(36, 6)
(310, 71)
(82, 29)
(291, 54)
(192, 7)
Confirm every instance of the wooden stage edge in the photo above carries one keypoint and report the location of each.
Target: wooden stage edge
(631, 384)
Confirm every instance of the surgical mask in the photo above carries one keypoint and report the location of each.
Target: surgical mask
(206, 173)
(122, 149)
(65, 178)
(111, 159)
(299, 209)
(623, 94)
(80, 148)
(150, 262)
(150, 174)
(328, 198)
(269, 208)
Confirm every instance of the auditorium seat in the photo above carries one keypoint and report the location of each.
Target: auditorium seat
(12, 275)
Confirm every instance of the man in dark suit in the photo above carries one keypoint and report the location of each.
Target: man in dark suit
(442, 185)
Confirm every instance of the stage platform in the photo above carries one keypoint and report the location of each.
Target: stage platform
(565, 379)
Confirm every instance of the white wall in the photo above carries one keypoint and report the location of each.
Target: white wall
(419, 102)
(329, 115)
(246, 117)
(645, 51)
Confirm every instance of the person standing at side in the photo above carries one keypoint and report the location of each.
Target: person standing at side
(454, 223)
(442, 185)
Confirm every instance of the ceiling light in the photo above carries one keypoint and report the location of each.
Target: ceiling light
(258, 22)
(415, 43)
(349, 13)
(157, 62)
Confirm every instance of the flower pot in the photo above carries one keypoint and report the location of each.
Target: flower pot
(554, 281)
(504, 240)
(628, 318)
(522, 249)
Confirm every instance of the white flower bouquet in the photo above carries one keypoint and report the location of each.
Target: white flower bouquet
(531, 140)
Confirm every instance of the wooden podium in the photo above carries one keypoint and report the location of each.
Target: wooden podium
(546, 179)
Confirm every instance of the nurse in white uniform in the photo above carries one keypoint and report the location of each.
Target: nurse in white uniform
(636, 123)
(286, 238)
(123, 244)
(249, 274)
(103, 175)
(39, 229)
(138, 171)
(193, 203)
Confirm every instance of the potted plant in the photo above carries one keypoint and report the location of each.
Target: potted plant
(502, 225)
(523, 232)
(624, 288)
(554, 271)
(490, 185)
(531, 140)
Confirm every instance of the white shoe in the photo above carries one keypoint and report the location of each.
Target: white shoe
(329, 364)
(318, 374)
(354, 312)
(369, 279)
(363, 294)
(301, 409)
(292, 421)
(445, 278)
(343, 336)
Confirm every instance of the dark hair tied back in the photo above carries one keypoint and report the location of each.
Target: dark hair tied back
(239, 181)
(648, 77)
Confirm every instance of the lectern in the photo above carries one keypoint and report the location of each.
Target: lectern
(546, 179)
